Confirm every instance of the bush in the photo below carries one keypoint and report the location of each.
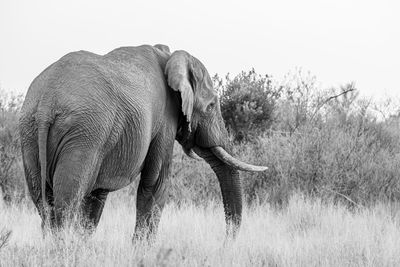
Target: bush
(12, 183)
(327, 144)
(247, 104)
(350, 165)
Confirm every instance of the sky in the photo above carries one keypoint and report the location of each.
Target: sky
(338, 41)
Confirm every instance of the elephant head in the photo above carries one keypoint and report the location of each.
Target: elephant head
(202, 130)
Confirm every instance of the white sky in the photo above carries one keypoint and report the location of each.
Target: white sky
(338, 41)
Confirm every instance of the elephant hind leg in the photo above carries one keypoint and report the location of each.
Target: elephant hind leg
(92, 208)
(74, 176)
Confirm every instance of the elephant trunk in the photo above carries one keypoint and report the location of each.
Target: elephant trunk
(231, 190)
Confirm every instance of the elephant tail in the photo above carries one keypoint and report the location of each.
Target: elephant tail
(43, 130)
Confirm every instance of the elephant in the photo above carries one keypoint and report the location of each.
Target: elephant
(90, 124)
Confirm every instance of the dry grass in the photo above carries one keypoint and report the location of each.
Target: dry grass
(306, 233)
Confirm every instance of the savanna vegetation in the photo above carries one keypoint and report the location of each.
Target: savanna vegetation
(330, 196)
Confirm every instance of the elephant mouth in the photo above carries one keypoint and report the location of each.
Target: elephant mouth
(225, 157)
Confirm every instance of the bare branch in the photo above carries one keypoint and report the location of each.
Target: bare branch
(350, 89)
(345, 197)
(4, 237)
(336, 96)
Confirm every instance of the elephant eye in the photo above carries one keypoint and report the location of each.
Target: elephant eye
(211, 106)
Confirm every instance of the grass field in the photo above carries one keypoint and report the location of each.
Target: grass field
(305, 233)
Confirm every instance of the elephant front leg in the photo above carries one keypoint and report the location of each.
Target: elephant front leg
(149, 205)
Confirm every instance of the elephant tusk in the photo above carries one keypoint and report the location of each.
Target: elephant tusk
(224, 156)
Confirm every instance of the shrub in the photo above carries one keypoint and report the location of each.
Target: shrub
(247, 103)
(12, 184)
(347, 155)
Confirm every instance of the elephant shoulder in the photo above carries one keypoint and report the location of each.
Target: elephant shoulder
(137, 54)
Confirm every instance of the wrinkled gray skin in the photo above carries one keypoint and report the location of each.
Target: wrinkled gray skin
(91, 124)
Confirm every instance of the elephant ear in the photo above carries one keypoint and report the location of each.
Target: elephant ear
(180, 76)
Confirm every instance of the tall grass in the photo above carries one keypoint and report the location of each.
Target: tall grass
(307, 232)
